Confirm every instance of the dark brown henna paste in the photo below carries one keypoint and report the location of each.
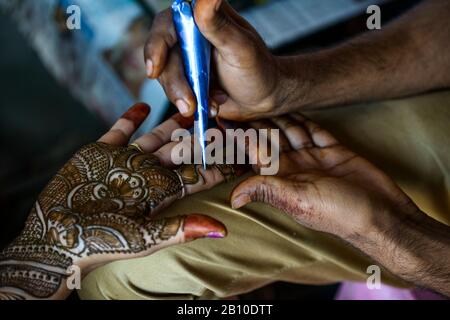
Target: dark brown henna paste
(98, 203)
(38, 282)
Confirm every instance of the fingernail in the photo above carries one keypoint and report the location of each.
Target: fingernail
(149, 64)
(137, 113)
(182, 106)
(215, 235)
(220, 98)
(212, 112)
(200, 226)
(240, 201)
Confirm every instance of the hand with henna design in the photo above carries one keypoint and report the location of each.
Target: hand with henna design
(326, 187)
(100, 207)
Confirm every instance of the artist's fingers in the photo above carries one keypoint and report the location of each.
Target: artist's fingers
(266, 189)
(260, 146)
(162, 134)
(196, 178)
(163, 61)
(175, 85)
(297, 195)
(127, 125)
(176, 230)
(283, 144)
(161, 40)
(221, 29)
(245, 141)
(319, 136)
(236, 17)
(214, 89)
(298, 137)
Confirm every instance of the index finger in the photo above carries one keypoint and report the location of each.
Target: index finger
(161, 40)
(126, 126)
(162, 134)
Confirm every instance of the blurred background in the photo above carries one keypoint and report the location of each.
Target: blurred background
(61, 89)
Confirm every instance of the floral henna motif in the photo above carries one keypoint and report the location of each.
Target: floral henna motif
(100, 202)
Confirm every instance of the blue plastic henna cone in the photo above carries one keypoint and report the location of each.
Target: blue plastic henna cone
(196, 53)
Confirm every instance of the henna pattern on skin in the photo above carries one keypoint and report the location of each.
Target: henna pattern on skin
(100, 202)
(11, 296)
(30, 278)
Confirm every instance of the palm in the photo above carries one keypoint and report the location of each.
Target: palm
(318, 176)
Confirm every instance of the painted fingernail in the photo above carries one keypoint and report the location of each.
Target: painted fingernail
(200, 226)
(149, 65)
(215, 235)
(137, 113)
(182, 106)
(240, 201)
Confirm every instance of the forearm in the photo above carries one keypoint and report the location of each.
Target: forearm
(407, 57)
(414, 247)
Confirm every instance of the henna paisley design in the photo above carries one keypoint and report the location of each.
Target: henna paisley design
(101, 202)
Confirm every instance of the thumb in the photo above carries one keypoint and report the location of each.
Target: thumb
(175, 230)
(219, 27)
(265, 189)
(198, 226)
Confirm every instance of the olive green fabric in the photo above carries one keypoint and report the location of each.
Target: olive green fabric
(409, 139)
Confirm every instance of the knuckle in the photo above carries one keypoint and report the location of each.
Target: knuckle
(221, 22)
(159, 135)
(215, 23)
(163, 81)
(161, 18)
(162, 29)
(264, 193)
(313, 127)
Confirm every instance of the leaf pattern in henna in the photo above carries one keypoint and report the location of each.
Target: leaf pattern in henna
(98, 203)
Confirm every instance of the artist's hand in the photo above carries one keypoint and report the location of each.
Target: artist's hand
(326, 187)
(101, 206)
(322, 184)
(247, 81)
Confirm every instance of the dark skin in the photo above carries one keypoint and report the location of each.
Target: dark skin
(409, 56)
(318, 176)
(404, 58)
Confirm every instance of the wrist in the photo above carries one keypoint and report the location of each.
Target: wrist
(409, 244)
(293, 89)
(307, 82)
(34, 271)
